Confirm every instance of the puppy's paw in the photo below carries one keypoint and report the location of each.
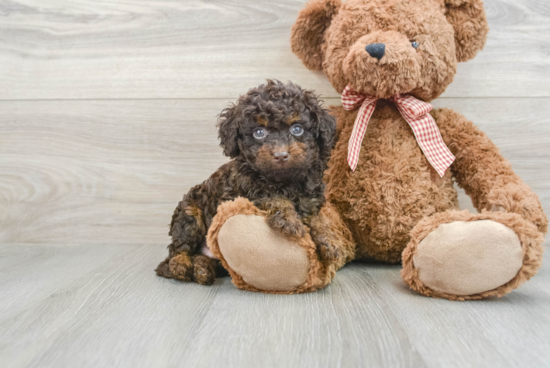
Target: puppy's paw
(327, 252)
(181, 267)
(204, 271)
(286, 221)
(163, 269)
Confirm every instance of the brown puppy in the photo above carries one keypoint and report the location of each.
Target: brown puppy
(279, 138)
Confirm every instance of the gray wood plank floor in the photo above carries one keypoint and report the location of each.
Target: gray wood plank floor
(100, 305)
(107, 117)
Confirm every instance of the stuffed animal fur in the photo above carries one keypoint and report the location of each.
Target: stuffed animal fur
(395, 204)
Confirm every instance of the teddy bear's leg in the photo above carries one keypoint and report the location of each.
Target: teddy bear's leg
(458, 255)
(260, 258)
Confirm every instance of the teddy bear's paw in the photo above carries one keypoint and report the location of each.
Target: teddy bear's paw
(262, 257)
(465, 258)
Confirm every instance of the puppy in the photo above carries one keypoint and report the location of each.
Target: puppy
(279, 139)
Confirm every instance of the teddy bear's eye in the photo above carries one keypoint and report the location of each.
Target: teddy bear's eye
(414, 44)
(260, 133)
(297, 130)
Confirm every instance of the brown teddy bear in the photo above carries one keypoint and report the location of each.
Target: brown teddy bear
(392, 182)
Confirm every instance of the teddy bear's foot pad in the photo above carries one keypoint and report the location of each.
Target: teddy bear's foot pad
(468, 257)
(264, 258)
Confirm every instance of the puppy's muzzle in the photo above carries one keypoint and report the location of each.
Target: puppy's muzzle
(280, 156)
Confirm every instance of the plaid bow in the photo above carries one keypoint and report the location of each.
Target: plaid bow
(415, 112)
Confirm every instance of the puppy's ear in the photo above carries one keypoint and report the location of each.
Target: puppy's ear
(325, 123)
(308, 33)
(228, 130)
(470, 24)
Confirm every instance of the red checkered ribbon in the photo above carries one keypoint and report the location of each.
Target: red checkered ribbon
(415, 112)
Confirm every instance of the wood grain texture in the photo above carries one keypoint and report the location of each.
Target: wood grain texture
(495, 332)
(76, 172)
(90, 172)
(114, 312)
(44, 269)
(86, 49)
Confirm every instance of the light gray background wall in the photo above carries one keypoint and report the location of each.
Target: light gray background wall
(108, 109)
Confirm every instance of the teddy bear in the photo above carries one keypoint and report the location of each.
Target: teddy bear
(395, 160)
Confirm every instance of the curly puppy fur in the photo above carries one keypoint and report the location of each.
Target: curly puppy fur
(394, 187)
(290, 191)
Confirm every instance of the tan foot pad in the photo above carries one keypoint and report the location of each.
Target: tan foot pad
(468, 257)
(263, 258)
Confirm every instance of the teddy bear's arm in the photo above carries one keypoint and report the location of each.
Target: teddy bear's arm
(485, 175)
(333, 239)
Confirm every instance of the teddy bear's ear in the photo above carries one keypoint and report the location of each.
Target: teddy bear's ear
(307, 35)
(470, 24)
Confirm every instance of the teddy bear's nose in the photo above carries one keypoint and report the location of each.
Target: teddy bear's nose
(376, 50)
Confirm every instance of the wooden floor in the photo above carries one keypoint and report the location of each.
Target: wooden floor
(107, 117)
(100, 305)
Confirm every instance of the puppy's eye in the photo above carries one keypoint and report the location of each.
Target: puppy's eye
(260, 133)
(296, 130)
(414, 44)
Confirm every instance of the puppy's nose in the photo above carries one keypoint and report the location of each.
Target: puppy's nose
(281, 156)
(376, 50)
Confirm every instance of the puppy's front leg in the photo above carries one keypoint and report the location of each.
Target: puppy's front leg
(282, 216)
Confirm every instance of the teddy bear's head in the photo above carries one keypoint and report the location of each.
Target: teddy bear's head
(388, 47)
